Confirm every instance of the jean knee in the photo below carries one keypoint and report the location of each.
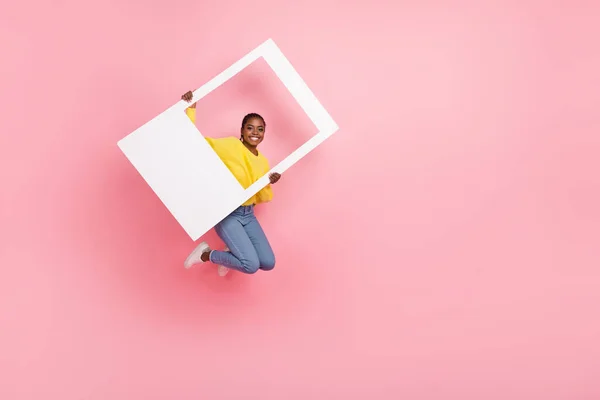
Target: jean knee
(250, 266)
(267, 264)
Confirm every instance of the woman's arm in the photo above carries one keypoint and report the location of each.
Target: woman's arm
(191, 110)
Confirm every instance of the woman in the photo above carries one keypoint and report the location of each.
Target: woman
(248, 249)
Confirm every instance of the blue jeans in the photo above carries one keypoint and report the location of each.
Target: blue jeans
(249, 249)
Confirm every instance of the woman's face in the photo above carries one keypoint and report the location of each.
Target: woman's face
(253, 132)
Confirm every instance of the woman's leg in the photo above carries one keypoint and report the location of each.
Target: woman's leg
(241, 255)
(266, 257)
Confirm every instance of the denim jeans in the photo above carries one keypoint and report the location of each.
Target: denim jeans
(249, 249)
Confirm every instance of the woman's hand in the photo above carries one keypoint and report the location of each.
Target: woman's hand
(188, 97)
(274, 177)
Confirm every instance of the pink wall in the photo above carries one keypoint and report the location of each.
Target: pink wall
(442, 245)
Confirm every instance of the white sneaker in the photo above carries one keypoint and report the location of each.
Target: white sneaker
(195, 256)
(221, 270)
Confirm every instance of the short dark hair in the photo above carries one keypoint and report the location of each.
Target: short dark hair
(248, 117)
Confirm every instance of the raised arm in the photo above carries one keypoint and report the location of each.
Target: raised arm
(191, 110)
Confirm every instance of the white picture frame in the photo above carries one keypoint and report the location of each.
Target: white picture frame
(178, 164)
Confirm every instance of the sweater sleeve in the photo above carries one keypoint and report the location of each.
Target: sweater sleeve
(265, 195)
(191, 113)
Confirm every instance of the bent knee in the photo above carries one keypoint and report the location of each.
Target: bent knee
(267, 265)
(250, 266)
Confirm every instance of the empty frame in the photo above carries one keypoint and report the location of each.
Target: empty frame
(183, 170)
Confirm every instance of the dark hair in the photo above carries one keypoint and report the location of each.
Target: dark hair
(253, 115)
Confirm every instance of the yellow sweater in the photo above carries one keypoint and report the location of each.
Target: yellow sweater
(245, 166)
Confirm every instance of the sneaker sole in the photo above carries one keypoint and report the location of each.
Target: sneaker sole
(226, 269)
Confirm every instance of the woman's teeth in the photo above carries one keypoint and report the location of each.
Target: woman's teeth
(254, 139)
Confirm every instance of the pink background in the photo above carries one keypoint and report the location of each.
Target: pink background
(442, 245)
(256, 89)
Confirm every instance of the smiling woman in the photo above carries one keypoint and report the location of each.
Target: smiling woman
(248, 249)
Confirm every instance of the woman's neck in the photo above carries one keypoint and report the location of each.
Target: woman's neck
(252, 149)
